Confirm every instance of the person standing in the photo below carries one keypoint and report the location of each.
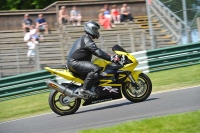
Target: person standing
(32, 43)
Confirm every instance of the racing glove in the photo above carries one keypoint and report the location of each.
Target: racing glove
(115, 58)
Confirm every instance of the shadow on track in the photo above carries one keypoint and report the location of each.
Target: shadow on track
(114, 106)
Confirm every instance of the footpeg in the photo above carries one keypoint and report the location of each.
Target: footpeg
(90, 93)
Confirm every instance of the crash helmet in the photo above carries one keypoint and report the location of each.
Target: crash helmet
(91, 28)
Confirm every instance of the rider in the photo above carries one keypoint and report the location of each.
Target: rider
(80, 55)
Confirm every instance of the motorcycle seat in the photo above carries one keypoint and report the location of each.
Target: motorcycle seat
(65, 67)
(113, 66)
(77, 75)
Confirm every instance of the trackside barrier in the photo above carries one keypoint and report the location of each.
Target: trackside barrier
(168, 58)
(24, 85)
(149, 61)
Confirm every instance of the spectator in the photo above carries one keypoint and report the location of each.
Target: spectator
(31, 49)
(125, 13)
(105, 22)
(63, 17)
(26, 23)
(33, 32)
(75, 16)
(41, 24)
(115, 14)
(107, 12)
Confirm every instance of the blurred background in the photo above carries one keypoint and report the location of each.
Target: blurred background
(156, 24)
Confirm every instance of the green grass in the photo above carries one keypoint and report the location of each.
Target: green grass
(38, 104)
(24, 107)
(177, 123)
(175, 78)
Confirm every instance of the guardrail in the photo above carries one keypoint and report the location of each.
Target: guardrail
(149, 61)
(24, 85)
(168, 58)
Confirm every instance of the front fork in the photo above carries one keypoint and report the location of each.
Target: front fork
(133, 76)
(133, 82)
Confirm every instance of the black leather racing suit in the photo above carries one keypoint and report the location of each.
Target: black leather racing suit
(79, 60)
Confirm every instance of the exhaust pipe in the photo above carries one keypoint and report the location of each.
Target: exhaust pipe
(60, 88)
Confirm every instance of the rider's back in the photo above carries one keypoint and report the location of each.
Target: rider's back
(81, 49)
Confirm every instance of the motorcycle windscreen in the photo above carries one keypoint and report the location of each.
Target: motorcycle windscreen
(118, 48)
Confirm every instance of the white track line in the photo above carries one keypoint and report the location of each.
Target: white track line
(99, 103)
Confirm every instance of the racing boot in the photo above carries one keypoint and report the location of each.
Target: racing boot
(91, 93)
(81, 91)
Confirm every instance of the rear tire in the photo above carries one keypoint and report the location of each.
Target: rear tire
(58, 107)
(141, 94)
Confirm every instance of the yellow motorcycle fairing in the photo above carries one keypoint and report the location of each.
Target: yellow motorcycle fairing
(136, 74)
(131, 66)
(64, 73)
(67, 75)
(101, 63)
(109, 82)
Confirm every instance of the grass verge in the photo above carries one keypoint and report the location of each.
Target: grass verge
(175, 78)
(38, 104)
(24, 107)
(178, 123)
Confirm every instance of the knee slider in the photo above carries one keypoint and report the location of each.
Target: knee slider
(93, 75)
(97, 70)
(96, 75)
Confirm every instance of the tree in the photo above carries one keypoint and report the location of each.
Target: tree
(25, 4)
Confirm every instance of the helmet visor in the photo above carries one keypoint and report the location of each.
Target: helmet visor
(96, 31)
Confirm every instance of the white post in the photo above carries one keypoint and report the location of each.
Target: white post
(0, 72)
(198, 26)
(18, 62)
(119, 40)
(180, 32)
(132, 39)
(150, 23)
(143, 40)
(185, 19)
(62, 44)
(37, 59)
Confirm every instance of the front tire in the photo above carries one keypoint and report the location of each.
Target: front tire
(60, 108)
(134, 95)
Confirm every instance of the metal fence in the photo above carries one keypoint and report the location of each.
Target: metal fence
(15, 62)
(179, 17)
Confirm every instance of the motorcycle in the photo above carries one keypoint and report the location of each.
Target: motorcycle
(116, 78)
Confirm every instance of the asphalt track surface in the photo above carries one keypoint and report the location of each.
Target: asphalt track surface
(107, 114)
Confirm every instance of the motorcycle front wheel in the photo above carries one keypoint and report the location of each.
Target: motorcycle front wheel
(62, 105)
(138, 95)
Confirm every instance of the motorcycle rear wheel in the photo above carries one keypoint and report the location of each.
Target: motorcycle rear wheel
(134, 95)
(59, 107)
